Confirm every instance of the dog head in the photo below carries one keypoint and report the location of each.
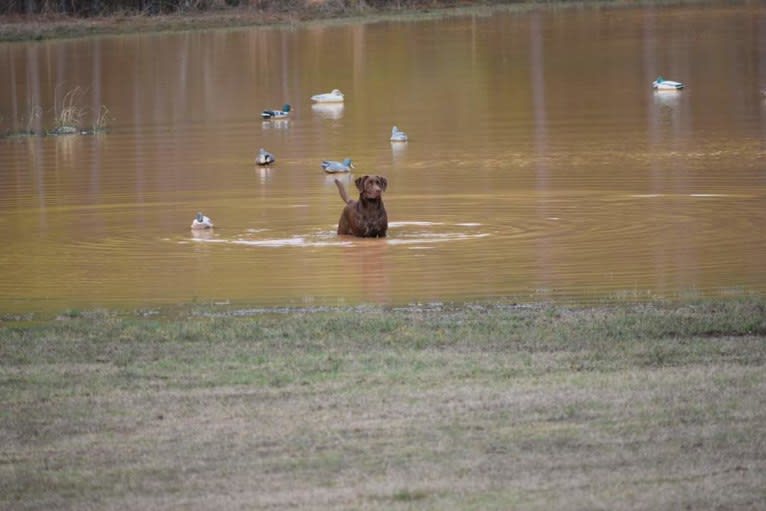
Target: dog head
(371, 187)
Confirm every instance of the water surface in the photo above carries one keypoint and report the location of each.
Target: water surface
(540, 166)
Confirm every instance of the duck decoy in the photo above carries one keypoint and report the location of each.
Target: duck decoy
(662, 84)
(398, 135)
(201, 222)
(277, 114)
(335, 96)
(264, 157)
(335, 167)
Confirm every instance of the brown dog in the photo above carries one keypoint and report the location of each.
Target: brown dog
(367, 216)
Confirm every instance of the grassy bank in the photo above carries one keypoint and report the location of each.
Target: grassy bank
(56, 26)
(467, 407)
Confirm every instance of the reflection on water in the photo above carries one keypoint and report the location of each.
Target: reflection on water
(667, 98)
(401, 233)
(276, 124)
(398, 149)
(328, 110)
(543, 166)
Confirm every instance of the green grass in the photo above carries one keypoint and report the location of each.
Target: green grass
(653, 406)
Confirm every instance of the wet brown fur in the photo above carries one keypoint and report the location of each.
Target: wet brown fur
(366, 217)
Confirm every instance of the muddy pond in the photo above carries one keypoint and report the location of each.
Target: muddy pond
(541, 165)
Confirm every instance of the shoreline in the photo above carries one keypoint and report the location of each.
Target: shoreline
(242, 310)
(16, 28)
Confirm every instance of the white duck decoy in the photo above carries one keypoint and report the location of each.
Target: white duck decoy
(398, 135)
(277, 114)
(335, 167)
(264, 157)
(335, 96)
(662, 84)
(201, 222)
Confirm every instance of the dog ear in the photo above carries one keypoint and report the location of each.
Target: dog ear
(359, 182)
(383, 183)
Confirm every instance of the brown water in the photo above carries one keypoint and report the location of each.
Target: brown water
(540, 163)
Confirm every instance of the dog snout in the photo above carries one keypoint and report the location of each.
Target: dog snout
(374, 190)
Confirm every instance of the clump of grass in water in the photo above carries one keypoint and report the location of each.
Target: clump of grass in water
(68, 118)
(35, 113)
(101, 123)
(68, 115)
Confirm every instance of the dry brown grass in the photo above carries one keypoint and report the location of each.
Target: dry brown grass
(17, 28)
(68, 116)
(265, 12)
(499, 408)
(67, 112)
